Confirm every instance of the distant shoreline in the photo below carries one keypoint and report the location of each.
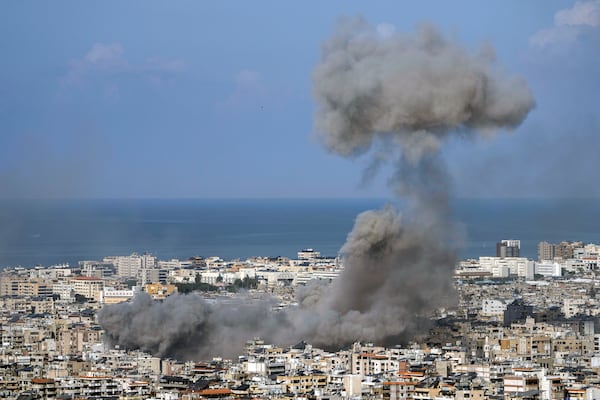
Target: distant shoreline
(58, 231)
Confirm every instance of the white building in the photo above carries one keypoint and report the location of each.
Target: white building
(64, 290)
(527, 270)
(308, 255)
(588, 251)
(572, 307)
(111, 295)
(174, 263)
(503, 266)
(491, 307)
(87, 286)
(548, 269)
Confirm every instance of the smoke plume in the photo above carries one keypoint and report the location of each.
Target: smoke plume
(418, 88)
(395, 271)
(188, 326)
(408, 92)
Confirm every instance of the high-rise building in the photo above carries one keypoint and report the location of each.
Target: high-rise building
(563, 250)
(152, 275)
(508, 248)
(546, 251)
(129, 266)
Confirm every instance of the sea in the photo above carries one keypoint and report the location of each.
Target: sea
(50, 232)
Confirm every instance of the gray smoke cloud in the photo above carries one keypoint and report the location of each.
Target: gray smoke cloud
(416, 87)
(407, 93)
(188, 326)
(395, 271)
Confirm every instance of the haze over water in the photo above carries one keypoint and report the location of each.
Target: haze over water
(50, 232)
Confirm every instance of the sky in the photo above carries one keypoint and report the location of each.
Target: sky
(213, 99)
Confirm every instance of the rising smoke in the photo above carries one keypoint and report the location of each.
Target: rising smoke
(188, 326)
(417, 88)
(409, 92)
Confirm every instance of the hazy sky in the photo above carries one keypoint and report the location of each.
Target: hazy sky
(213, 98)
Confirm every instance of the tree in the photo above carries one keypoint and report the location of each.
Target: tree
(131, 283)
(184, 288)
(246, 283)
(80, 298)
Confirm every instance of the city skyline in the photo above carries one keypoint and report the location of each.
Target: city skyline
(213, 100)
(276, 200)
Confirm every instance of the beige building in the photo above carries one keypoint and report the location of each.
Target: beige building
(367, 363)
(398, 390)
(88, 286)
(160, 291)
(11, 285)
(302, 384)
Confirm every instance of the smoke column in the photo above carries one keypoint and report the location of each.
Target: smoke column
(406, 93)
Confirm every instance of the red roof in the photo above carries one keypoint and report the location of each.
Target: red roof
(215, 392)
(42, 380)
(373, 355)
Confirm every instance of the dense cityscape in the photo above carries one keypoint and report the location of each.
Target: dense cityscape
(154, 156)
(522, 329)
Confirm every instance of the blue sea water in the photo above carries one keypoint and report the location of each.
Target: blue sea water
(51, 232)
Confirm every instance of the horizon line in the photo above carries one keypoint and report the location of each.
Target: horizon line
(242, 198)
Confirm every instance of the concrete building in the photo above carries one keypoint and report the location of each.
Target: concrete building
(548, 269)
(526, 270)
(564, 250)
(129, 266)
(398, 390)
(518, 310)
(152, 275)
(546, 251)
(490, 307)
(502, 267)
(308, 255)
(302, 384)
(110, 295)
(97, 269)
(87, 286)
(159, 290)
(508, 248)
